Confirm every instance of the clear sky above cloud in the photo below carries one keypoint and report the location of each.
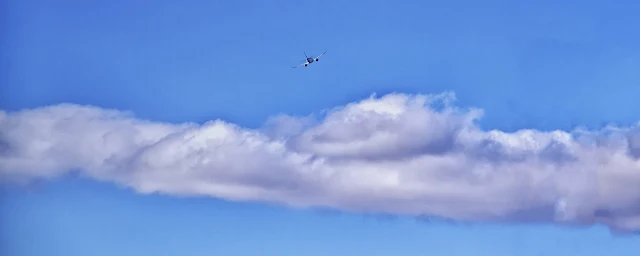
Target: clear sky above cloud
(164, 127)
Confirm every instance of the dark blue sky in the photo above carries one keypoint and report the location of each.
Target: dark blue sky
(546, 65)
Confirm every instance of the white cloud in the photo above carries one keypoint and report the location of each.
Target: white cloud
(396, 154)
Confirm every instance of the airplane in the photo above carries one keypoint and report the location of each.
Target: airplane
(310, 60)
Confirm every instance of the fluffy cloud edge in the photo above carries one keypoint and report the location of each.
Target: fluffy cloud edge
(400, 154)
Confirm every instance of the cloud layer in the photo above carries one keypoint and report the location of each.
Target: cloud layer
(397, 154)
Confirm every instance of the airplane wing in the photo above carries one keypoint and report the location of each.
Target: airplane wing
(301, 64)
(321, 54)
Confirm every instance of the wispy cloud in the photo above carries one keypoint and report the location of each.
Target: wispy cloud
(397, 154)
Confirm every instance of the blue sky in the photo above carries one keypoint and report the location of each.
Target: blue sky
(544, 66)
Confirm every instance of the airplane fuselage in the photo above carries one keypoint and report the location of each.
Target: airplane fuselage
(310, 60)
